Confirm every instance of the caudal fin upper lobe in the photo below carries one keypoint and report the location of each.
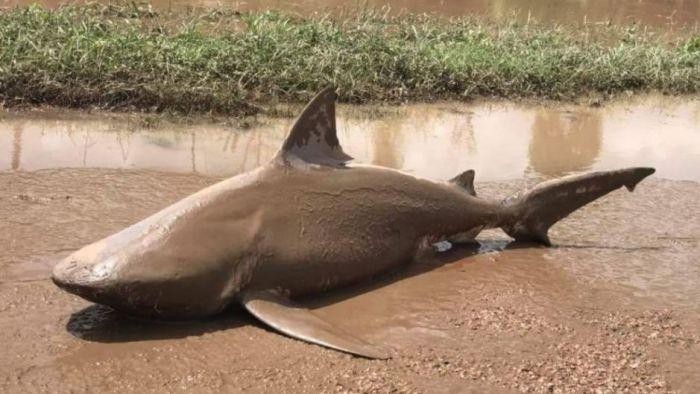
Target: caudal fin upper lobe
(533, 212)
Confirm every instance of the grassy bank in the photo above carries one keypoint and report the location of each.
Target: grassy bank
(128, 57)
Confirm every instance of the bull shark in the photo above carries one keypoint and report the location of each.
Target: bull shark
(305, 223)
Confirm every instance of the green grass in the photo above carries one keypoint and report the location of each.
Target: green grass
(221, 61)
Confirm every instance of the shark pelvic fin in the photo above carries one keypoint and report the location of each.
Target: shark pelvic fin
(465, 181)
(313, 137)
(283, 315)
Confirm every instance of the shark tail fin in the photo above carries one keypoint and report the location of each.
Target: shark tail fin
(533, 212)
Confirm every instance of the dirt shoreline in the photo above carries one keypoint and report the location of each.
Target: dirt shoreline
(613, 307)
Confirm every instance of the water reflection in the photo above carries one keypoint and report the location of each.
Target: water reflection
(387, 143)
(16, 147)
(564, 142)
(500, 141)
(666, 13)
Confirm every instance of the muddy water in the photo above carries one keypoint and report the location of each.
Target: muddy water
(665, 13)
(613, 306)
(499, 141)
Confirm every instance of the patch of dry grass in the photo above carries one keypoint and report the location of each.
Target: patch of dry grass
(222, 61)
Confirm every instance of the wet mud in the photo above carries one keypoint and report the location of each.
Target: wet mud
(667, 14)
(611, 306)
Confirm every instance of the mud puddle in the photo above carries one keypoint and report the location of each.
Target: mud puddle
(499, 141)
(664, 14)
(612, 306)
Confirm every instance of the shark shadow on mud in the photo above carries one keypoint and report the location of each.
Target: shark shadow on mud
(101, 323)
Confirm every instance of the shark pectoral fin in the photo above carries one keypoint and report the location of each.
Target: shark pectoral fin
(298, 322)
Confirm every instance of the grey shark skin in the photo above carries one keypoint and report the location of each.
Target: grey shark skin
(303, 224)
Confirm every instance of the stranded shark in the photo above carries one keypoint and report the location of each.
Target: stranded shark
(303, 224)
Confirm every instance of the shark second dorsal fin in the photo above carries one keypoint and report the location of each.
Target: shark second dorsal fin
(465, 181)
(313, 137)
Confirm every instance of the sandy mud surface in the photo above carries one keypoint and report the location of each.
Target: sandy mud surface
(612, 306)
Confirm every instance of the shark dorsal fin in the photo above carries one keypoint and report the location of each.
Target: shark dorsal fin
(313, 137)
(465, 181)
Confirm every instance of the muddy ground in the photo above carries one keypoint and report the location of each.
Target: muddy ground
(612, 307)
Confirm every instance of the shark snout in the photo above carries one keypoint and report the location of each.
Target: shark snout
(84, 277)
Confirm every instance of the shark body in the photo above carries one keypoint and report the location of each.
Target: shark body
(305, 223)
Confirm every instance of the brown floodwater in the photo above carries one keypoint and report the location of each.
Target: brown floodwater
(500, 141)
(613, 306)
(658, 13)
